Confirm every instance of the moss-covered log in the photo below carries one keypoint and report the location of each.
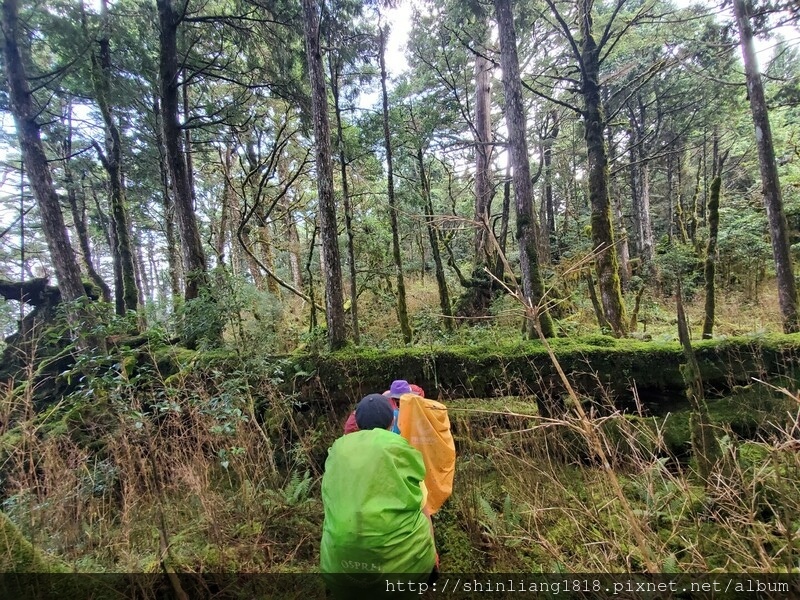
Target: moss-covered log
(595, 365)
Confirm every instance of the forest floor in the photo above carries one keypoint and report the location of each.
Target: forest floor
(738, 312)
(128, 475)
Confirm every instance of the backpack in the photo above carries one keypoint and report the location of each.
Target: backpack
(426, 426)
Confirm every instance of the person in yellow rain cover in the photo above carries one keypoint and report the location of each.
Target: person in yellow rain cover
(374, 503)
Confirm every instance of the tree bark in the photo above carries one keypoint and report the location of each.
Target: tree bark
(402, 308)
(705, 444)
(771, 188)
(619, 220)
(79, 213)
(334, 299)
(348, 210)
(268, 257)
(112, 162)
(640, 179)
(547, 157)
(293, 238)
(173, 255)
(711, 250)
(433, 236)
(194, 259)
(602, 230)
(532, 283)
(484, 251)
(41, 182)
(221, 239)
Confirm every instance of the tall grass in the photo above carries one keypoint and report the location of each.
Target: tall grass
(214, 470)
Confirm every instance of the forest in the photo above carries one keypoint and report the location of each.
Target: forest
(223, 222)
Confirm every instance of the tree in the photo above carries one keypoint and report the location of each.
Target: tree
(402, 308)
(594, 123)
(347, 46)
(126, 292)
(28, 132)
(771, 188)
(484, 188)
(78, 207)
(334, 300)
(710, 269)
(194, 258)
(532, 283)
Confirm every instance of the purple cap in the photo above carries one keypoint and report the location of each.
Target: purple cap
(374, 412)
(399, 387)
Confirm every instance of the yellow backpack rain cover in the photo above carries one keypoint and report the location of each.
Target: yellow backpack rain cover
(426, 426)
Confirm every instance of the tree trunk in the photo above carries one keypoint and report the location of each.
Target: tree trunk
(334, 300)
(598, 308)
(252, 262)
(79, 212)
(293, 238)
(619, 218)
(194, 259)
(532, 283)
(221, 239)
(348, 210)
(602, 231)
(143, 282)
(787, 290)
(433, 236)
(402, 308)
(705, 444)
(28, 132)
(640, 171)
(268, 257)
(547, 158)
(112, 162)
(711, 249)
(173, 256)
(187, 139)
(484, 251)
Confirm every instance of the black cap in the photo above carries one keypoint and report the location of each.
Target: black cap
(374, 412)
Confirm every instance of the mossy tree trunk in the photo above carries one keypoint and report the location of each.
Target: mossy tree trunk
(334, 297)
(335, 68)
(194, 258)
(18, 555)
(771, 187)
(704, 443)
(602, 231)
(26, 113)
(711, 249)
(127, 292)
(532, 282)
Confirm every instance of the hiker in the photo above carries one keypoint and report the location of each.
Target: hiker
(373, 498)
(397, 389)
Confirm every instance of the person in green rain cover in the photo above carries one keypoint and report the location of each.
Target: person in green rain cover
(374, 496)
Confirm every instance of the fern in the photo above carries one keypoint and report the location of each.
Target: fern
(489, 520)
(296, 491)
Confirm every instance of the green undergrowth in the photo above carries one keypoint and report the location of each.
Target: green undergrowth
(215, 468)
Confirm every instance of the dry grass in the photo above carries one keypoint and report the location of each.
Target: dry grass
(210, 471)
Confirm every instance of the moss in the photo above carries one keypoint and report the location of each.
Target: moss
(752, 455)
(17, 555)
(524, 368)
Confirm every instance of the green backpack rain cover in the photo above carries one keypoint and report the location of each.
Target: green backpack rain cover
(372, 498)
